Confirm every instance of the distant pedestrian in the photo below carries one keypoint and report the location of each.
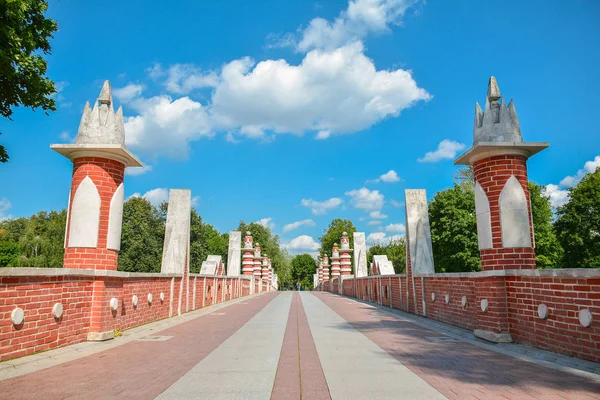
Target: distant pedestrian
(298, 285)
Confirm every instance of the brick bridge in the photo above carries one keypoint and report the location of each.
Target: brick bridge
(90, 331)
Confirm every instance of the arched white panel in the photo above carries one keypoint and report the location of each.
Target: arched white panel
(67, 224)
(484, 221)
(85, 215)
(514, 216)
(115, 220)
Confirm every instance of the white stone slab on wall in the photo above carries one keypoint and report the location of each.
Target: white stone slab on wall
(234, 254)
(418, 232)
(208, 268)
(177, 232)
(115, 219)
(484, 221)
(514, 215)
(360, 255)
(84, 220)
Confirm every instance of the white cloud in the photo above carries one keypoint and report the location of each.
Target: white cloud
(356, 22)
(588, 167)
(195, 201)
(558, 196)
(396, 204)
(389, 177)
(366, 199)
(381, 238)
(377, 215)
(184, 78)
(302, 243)
(298, 224)
(446, 150)
(371, 223)
(266, 222)
(135, 171)
(154, 196)
(4, 207)
(64, 135)
(321, 207)
(395, 228)
(129, 92)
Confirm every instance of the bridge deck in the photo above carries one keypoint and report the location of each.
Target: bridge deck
(291, 346)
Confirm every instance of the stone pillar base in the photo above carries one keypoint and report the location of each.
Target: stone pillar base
(493, 336)
(100, 336)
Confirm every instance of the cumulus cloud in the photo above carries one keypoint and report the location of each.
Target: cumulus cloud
(128, 93)
(356, 22)
(389, 177)
(135, 171)
(377, 215)
(371, 223)
(366, 199)
(446, 150)
(396, 204)
(559, 195)
(298, 224)
(302, 243)
(195, 201)
(154, 196)
(381, 238)
(266, 222)
(183, 78)
(321, 207)
(4, 207)
(395, 228)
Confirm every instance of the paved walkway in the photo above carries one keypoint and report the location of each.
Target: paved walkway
(292, 346)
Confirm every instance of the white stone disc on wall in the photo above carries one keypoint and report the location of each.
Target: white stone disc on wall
(585, 317)
(447, 298)
(484, 305)
(114, 303)
(433, 296)
(542, 311)
(17, 316)
(115, 220)
(134, 300)
(463, 301)
(57, 310)
(149, 297)
(85, 215)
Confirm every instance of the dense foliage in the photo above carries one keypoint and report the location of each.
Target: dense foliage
(548, 251)
(395, 250)
(24, 38)
(578, 224)
(303, 268)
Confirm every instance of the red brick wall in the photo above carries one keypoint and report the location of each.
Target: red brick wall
(85, 300)
(107, 175)
(492, 174)
(513, 300)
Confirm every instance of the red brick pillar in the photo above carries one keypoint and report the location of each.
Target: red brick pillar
(257, 270)
(248, 256)
(346, 258)
(335, 262)
(325, 264)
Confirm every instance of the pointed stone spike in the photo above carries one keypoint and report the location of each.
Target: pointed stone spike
(512, 111)
(105, 94)
(493, 93)
(478, 115)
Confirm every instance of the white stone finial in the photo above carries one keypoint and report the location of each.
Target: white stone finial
(493, 93)
(100, 124)
(105, 94)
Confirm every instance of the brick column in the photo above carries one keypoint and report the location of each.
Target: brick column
(248, 256)
(335, 261)
(325, 264)
(320, 272)
(265, 268)
(346, 258)
(257, 270)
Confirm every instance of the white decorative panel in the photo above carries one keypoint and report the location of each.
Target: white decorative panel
(85, 215)
(484, 221)
(177, 232)
(360, 255)
(514, 216)
(418, 233)
(234, 254)
(115, 220)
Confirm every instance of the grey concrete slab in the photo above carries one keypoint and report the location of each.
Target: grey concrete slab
(354, 366)
(243, 366)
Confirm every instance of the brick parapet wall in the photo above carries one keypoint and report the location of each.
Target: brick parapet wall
(513, 298)
(37, 290)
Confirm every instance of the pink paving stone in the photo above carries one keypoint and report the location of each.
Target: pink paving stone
(459, 370)
(136, 370)
(299, 372)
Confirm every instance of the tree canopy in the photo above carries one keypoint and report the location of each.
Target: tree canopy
(548, 251)
(303, 268)
(395, 251)
(25, 35)
(578, 224)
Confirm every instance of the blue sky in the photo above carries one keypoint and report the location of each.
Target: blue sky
(295, 112)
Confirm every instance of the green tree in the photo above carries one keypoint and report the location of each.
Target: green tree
(548, 251)
(303, 268)
(205, 240)
(454, 230)
(24, 36)
(142, 236)
(578, 224)
(395, 251)
(333, 234)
